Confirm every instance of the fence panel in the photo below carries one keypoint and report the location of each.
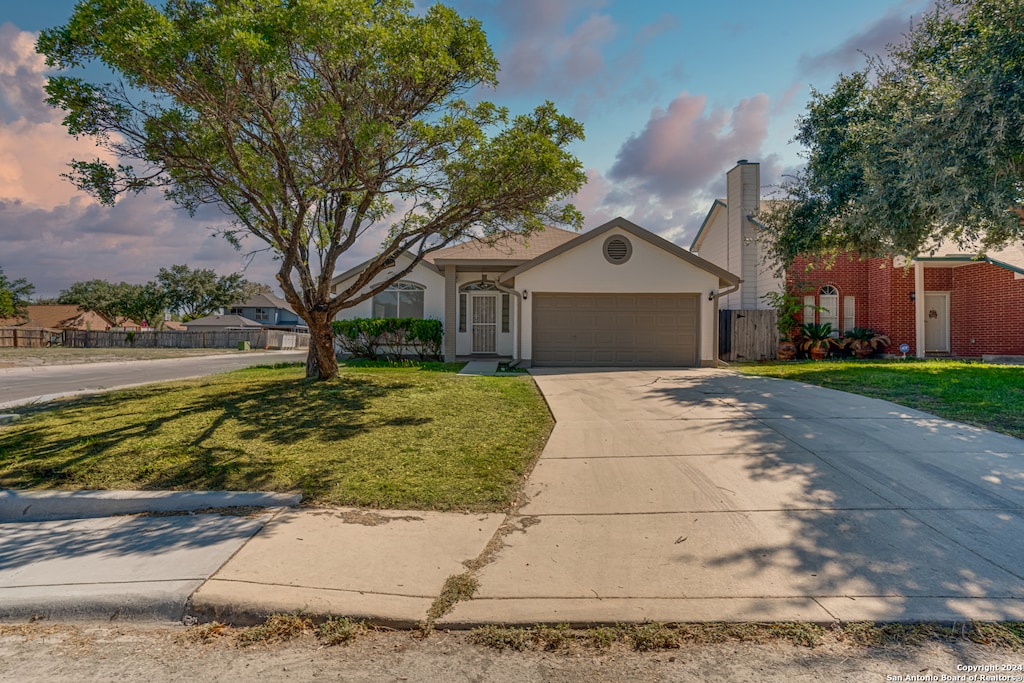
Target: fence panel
(219, 339)
(747, 335)
(24, 337)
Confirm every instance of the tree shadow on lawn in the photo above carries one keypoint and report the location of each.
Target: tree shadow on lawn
(858, 500)
(273, 413)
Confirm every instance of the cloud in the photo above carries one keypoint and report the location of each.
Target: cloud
(34, 146)
(21, 77)
(872, 41)
(685, 147)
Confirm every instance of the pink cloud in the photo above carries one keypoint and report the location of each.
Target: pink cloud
(685, 147)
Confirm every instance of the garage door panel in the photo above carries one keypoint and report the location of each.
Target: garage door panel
(615, 329)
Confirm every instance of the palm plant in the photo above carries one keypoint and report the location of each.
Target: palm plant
(864, 341)
(817, 338)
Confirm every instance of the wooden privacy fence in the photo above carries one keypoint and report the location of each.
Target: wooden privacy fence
(20, 337)
(221, 339)
(747, 335)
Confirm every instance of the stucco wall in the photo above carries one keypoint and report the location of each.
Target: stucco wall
(433, 297)
(649, 270)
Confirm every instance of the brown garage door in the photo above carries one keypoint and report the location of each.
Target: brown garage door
(615, 329)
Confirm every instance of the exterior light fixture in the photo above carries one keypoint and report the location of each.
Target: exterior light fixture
(913, 296)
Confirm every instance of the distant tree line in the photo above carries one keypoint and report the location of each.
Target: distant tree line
(14, 295)
(188, 292)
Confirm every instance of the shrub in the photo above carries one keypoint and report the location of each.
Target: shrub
(365, 337)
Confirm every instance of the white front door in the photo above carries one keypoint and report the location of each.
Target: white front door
(936, 322)
(484, 316)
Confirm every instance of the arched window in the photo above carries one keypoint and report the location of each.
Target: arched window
(400, 300)
(828, 299)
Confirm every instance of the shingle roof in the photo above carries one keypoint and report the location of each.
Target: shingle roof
(229, 320)
(265, 301)
(508, 248)
(59, 317)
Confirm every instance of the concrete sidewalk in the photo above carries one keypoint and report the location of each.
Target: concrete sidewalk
(81, 555)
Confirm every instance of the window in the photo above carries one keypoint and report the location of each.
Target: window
(261, 315)
(849, 313)
(828, 299)
(505, 312)
(400, 300)
(236, 311)
(809, 307)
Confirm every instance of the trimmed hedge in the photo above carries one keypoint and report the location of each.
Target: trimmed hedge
(392, 337)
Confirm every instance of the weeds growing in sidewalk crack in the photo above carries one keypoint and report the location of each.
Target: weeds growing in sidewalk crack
(457, 588)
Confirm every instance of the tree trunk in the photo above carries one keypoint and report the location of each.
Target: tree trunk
(321, 361)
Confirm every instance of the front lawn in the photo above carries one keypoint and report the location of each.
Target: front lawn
(990, 396)
(399, 437)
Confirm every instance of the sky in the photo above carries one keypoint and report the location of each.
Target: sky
(671, 94)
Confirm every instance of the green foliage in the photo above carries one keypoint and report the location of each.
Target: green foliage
(364, 337)
(120, 302)
(14, 296)
(923, 146)
(198, 292)
(817, 336)
(788, 307)
(308, 122)
(864, 341)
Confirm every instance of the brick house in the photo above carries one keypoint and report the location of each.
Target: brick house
(949, 302)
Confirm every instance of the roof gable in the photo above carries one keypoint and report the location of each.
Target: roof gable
(724, 276)
(698, 240)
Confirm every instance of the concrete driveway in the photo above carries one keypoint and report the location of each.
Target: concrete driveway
(691, 495)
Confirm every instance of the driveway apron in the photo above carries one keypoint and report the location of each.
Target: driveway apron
(704, 495)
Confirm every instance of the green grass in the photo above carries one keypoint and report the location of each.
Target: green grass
(990, 396)
(393, 437)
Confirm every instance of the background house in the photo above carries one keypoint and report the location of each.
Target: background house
(218, 323)
(617, 295)
(271, 312)
(58, 317)
(949, 301)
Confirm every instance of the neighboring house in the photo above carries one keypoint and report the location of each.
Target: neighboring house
(220, 323)
(58, 317)
(947, 302)
(616, 295)
(271, 312)
(728, 238)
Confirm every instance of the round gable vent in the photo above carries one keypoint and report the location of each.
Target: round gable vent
(617, 249)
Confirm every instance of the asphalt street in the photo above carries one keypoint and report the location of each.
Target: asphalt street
(20, 386)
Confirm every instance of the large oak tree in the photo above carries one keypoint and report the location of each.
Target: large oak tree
(314, 124)
(923, 147)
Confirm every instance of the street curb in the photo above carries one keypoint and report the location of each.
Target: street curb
(40, 506)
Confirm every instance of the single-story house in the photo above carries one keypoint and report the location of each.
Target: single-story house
(220, 323)
(944, 302)
(58, 317)
(272, 312)
(617, 295)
